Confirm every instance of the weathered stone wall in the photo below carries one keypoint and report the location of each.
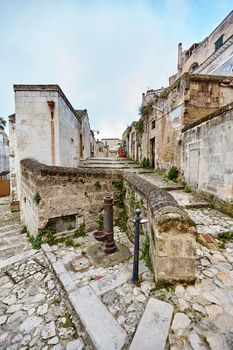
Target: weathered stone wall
(171, 231)
(188, 100)
(67, 191)
(208, 153)
(67, 140)
(63, 192)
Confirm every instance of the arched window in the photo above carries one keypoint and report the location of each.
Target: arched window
(193, 67)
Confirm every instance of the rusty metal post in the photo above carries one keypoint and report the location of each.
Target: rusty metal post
(107, 235)
(110, 246)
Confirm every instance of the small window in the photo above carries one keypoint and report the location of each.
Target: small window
(153, 124)
(194, 67)
(218, 43)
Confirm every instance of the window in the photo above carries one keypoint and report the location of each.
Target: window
(194, 67)
(218, 43)
(153, 124)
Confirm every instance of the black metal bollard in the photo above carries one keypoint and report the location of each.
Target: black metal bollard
(136, 247)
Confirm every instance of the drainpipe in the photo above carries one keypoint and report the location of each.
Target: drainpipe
(51, 105)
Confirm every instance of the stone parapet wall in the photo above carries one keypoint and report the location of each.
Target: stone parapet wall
(171, 231)
(67, 191)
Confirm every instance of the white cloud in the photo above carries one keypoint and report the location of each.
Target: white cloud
(103, 53)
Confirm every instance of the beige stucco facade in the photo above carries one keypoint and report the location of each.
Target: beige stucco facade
(213, 55)
(45, 127)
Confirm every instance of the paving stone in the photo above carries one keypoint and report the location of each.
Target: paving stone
(30, 324)
(213, 311)
(179, 291)
(107, 334)
(13, 308)
(18, 315)
(3, 319)
(153, 327)
(53, 341)
(49, 330)
(217, 342)
(75, 345)
(10, 300)
(42, 309)
(180, 321)
(195, 342)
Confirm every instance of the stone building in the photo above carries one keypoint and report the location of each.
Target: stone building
(179, 124)
(47, 128)
(85, 134)
(113, 145)
(213, 55)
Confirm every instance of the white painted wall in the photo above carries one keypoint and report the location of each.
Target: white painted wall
(86, 137)
(68, 139)
(30, 135)
(4, 154)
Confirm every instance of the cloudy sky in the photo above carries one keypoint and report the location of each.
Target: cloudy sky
(102, 53)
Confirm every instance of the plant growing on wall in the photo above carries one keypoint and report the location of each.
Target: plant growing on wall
(145, 256)
(139, 127)
(97, 185)
(146, 109)
(37, 198)
(2, 123)
(173, 173)
(145, 163)
(81, 231)
(100, 222)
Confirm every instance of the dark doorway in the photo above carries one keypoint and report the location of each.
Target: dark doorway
(152, 152)
(81, 146)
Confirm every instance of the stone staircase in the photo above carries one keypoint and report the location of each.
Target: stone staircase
(109, 163)
(13, 245)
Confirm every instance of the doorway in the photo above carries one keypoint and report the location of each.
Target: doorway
(152, 152)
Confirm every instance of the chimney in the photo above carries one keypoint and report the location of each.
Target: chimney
(179, 59)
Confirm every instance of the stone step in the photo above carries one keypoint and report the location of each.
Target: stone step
(110, 166)
(12, 260)
(187, 200)
(104, 331)
(111, 281)
(10, 233)
(12, 246)
(153, 328)
(9, 228)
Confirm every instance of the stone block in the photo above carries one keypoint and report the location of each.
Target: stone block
(104, 331)
(175, 268)
(152, 331)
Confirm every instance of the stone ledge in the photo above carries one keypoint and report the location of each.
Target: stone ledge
(102, 328)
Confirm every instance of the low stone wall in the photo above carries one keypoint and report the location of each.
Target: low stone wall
(66, 191)
(49, 193)
(171, 232)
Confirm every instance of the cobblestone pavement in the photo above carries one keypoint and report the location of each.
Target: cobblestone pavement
(124, 301)
(34, 313)
(204, 311)
(211, 221)
(6, 217)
